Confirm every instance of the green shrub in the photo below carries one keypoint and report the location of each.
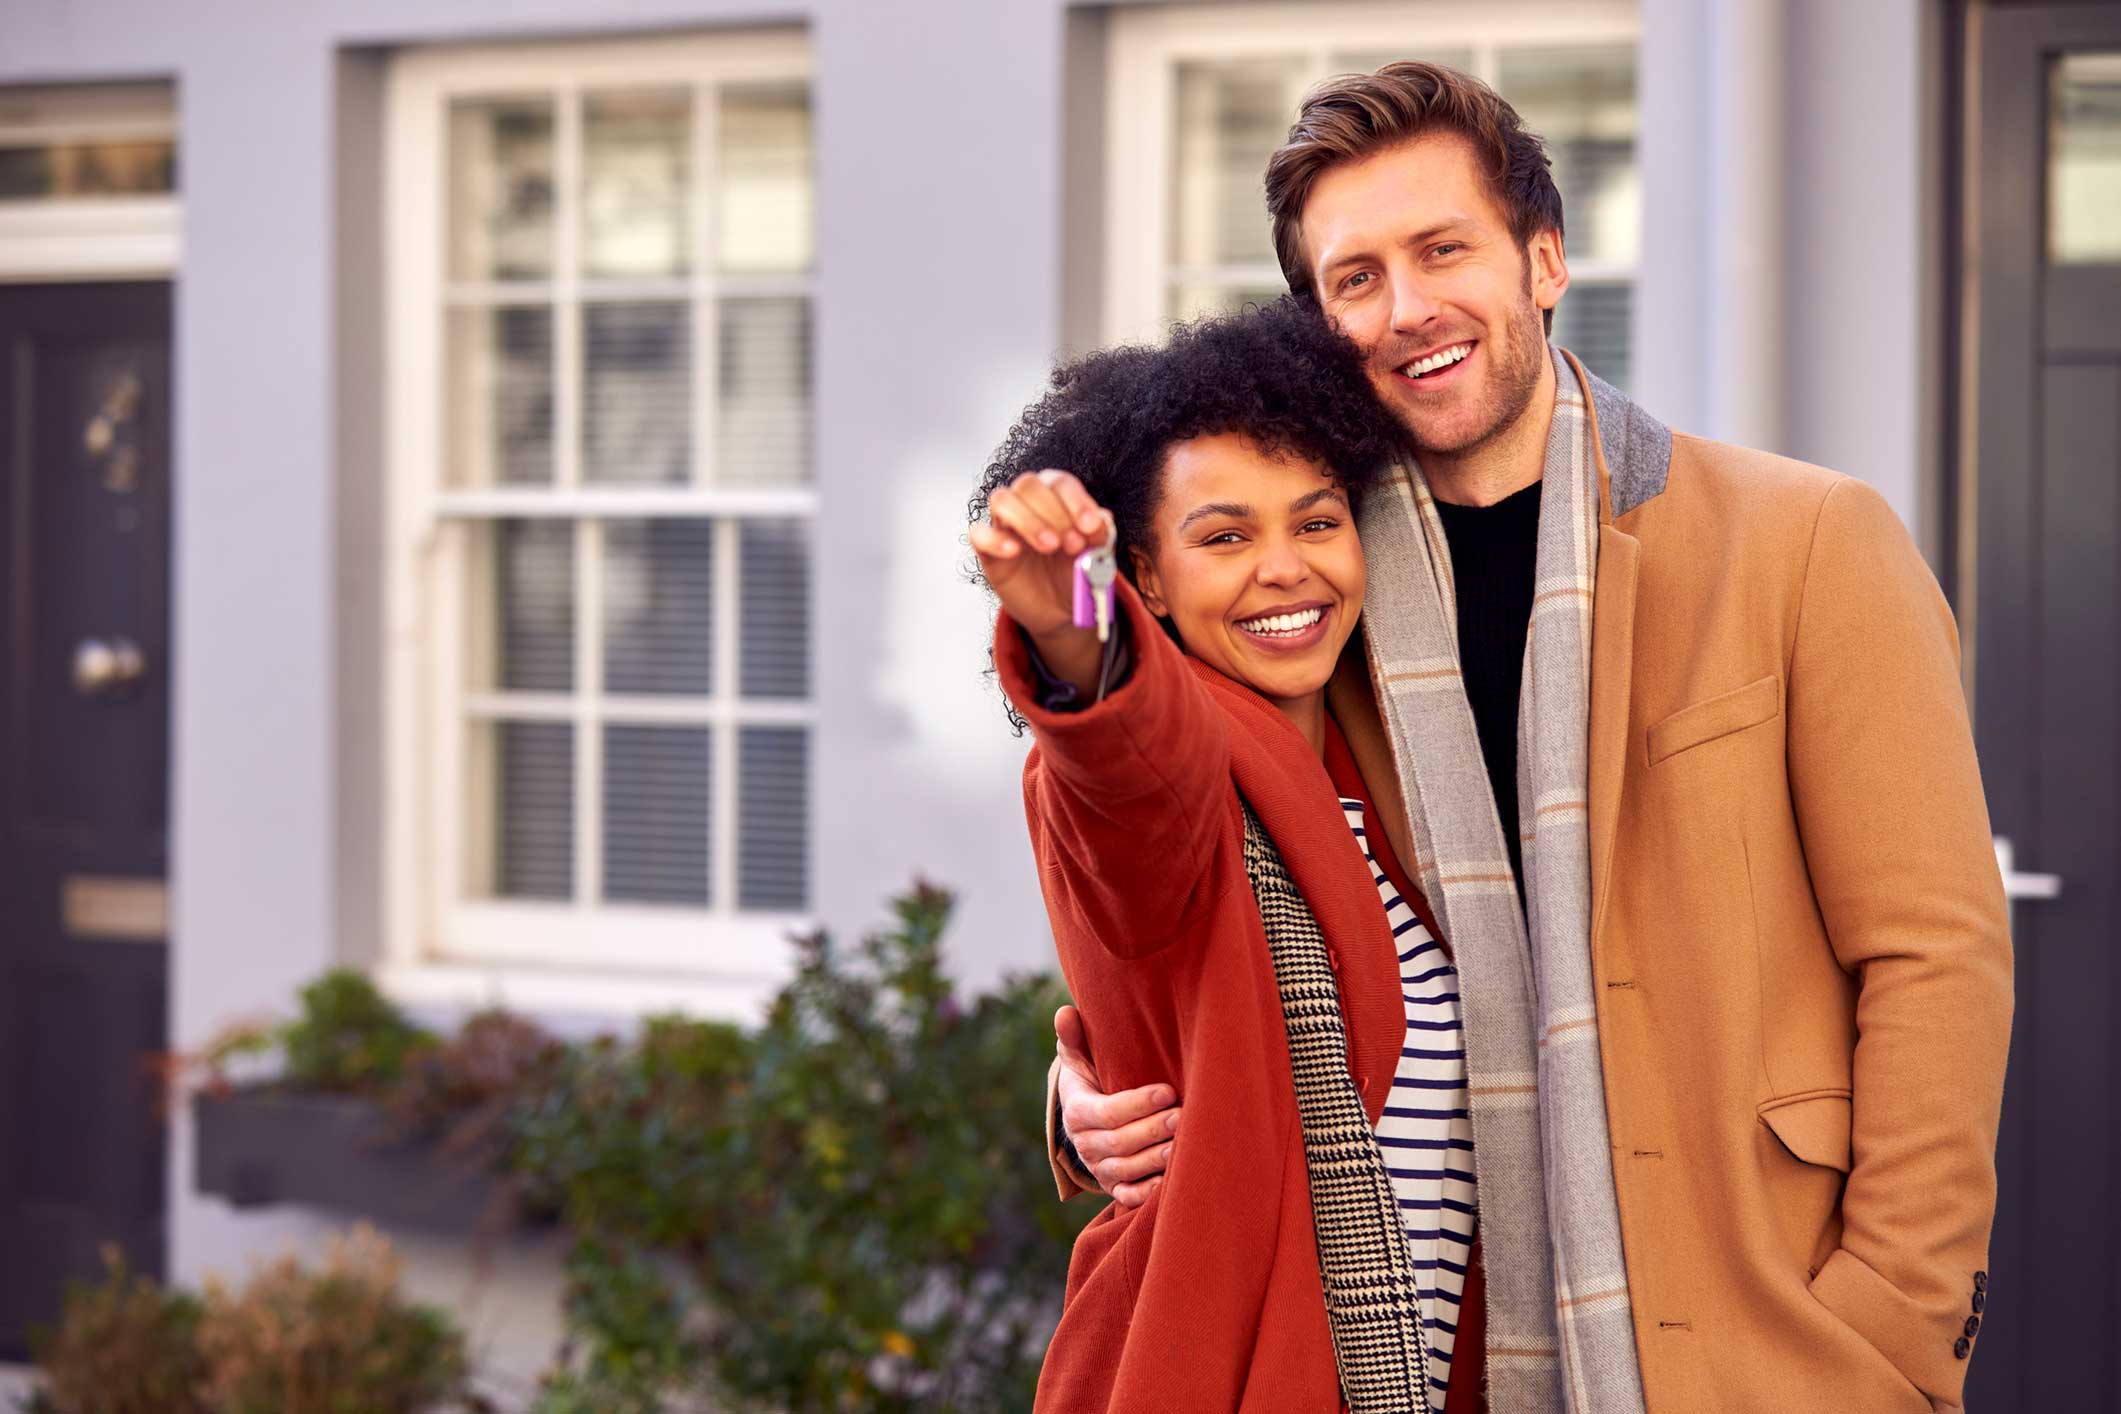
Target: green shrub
(843, 1210)
(349, 1036)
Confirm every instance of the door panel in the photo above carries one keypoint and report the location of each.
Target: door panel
(2045, 382)
(84, 713)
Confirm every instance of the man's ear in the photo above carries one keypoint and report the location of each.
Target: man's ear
(1548, 268)
(1147, 584)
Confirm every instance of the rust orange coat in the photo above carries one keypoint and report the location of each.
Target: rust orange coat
(1207, 1297)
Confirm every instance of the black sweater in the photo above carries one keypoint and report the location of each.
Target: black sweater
(1493, 552)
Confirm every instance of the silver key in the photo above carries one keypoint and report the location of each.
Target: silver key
(1100, 568)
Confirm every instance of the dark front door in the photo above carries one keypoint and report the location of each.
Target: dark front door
(2044, 382)
(84, 756)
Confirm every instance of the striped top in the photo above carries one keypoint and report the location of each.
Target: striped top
(1425, 1132)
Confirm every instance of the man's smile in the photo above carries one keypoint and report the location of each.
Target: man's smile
(1436, 366)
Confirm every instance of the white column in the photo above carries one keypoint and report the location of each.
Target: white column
(1791, 228)
(1712, 317)
(1865, 226)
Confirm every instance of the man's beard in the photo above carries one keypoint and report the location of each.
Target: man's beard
(1512, 382)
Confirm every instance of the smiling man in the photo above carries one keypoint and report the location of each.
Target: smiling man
(1675, 733)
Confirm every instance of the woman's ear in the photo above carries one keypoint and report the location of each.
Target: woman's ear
(1147, 584)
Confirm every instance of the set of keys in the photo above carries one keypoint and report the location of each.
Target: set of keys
(1095, 569)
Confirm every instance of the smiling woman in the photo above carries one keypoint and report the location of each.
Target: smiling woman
(1205, 843)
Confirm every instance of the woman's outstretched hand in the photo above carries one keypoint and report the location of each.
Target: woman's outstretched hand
(1036, 526)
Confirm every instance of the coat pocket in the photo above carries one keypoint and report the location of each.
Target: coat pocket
(1733, 711)
(1814, 1126)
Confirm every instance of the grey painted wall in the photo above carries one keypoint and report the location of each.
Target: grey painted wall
(955, 193)
(940, 181)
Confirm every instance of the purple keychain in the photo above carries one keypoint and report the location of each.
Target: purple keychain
(1095, 569)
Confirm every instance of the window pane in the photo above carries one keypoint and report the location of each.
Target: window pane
(1231, 116)
(2084, 180)
(762, 434)
(1582, 101)
(523, 776)
(522, 608)
(637, 183)
(773, 810)
(500, 397)
(1591, 322)
(1191, 301)
(500, 188)
(69, 169)
(764, 204)
(637, 393)
(774, 648)
(659, 606)
(657, 785)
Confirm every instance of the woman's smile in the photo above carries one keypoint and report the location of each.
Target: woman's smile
(1289, 628)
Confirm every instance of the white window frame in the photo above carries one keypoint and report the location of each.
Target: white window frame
(438, 945)
(90, 237)
(1146, 46)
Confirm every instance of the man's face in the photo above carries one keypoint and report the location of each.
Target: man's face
(1413, 258)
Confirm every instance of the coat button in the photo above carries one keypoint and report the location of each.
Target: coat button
(1980, 1302)
(1961, 1346)
(1980, 1281)
(1973, 1326)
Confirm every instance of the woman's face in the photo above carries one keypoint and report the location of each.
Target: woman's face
(1256, 563)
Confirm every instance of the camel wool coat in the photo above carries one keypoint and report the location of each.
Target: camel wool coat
(1799, 936)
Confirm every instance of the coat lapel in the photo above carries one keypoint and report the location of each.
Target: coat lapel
(1612, 673)
(1353, 703)
(1289, 789)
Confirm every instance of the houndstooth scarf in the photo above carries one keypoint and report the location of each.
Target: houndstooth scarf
(1560, 1333)
(1373, 1300)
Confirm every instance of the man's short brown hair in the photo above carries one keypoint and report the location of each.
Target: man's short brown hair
(1355, 116)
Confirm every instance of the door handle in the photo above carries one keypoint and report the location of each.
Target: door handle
(2017, 885)
(101, 668)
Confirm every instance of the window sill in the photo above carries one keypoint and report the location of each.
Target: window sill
(568, 999)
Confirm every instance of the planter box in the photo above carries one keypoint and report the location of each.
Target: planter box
(263, 1145)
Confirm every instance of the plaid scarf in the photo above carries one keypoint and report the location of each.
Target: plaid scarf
(1560, 1334)
(1373, 1299)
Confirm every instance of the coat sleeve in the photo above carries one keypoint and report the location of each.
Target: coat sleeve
(1896, 837)
(1069, 1176)
(1127, 797)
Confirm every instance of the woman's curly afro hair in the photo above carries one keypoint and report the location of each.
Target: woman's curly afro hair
(1278, 374)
